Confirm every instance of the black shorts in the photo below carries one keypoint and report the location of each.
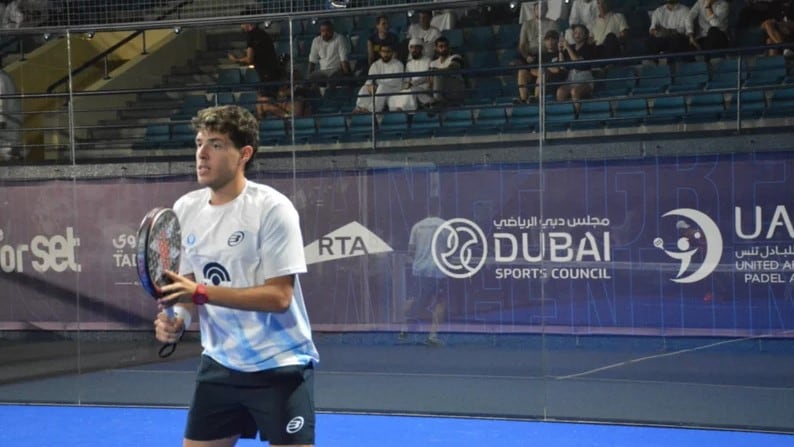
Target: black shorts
(278, 403)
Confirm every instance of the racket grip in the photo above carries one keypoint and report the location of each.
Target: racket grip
(170, 312)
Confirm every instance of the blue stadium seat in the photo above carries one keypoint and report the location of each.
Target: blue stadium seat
(752, 105)
(523, 119)
(393, 126)
(157, 136)
(652, 79)
(272, 132)
(559, 116)
(182, 135)
(629, 112)
(248, 100)
(479, 38)
(781, 103)
(229, 76)
(690, 76)
(250, 76)
(481, 59)
(507, 56)
(305, 130)
(331, 128)
(485, 91)
(365, 24)
(489, 121)
(705, 107)
(224, 98)
(424, 124)
(667, 110)
(507, 36)
(455, 37)
(768, 70)
(727, 73)
(191, 104)
(359, 128)
(618, 81)
(398, 22)
(593, 114)
(455, 123)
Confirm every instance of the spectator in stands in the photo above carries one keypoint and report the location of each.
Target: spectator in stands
(376, 93)
(425, 32)
(533, 31)
(381, 36)
(13, 16)
(286, 104)
(756, 12)
(10, 120)
(416, 89)
(531, 75)
(609, 31)
(579, 79)
(328, 56)
(707, 26)
(549, 55)
(261, 53)
(778, 32)
(668, 29)
(448, 88)
(583, 12)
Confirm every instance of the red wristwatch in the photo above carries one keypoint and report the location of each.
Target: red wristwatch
(200, 295)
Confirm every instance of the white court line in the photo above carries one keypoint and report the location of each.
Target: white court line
(667, 354)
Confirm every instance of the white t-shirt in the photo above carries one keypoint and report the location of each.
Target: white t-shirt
(330, 54)
(667, 19)
(421, 239)
(239, 244)
(612, 22)
(427, 36)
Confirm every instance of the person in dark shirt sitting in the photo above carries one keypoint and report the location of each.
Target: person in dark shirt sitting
(261, 53)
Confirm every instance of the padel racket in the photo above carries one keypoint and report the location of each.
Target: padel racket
(159, 248)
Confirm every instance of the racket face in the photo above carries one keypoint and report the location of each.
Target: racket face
(159, 249)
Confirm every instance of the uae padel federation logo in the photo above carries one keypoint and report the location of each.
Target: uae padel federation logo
(459, 248)
(698, 245)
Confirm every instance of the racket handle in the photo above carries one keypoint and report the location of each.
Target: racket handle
(170, 312)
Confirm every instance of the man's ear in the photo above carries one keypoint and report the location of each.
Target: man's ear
(246, 153)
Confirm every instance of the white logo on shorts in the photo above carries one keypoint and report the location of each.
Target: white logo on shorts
(295, 425)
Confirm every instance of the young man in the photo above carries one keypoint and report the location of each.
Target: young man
(242, 251)
(382, 88)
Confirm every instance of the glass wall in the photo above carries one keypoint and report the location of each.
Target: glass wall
(622, 257)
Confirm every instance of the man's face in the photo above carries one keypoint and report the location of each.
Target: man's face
(442, 49)
(382, 25)
(247, 27)
(386, 53)
(579, 34)
(217, 159)
(326, 32)
(416, 51)
(424, 20)
(671, 4)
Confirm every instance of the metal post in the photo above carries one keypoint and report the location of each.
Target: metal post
(143, 39)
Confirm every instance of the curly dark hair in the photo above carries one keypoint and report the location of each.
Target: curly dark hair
(234, 121)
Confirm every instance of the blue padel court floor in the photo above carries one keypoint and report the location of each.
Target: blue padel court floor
(84, 426)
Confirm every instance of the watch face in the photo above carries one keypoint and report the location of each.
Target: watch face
(200, 296)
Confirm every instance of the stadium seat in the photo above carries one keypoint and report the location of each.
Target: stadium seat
(486, 90)
(507, 36)
(593, 114)
(629, 112)
(393, 126)
(705, 107)
(690, 76)
(157, 136)
(304, 129)
(489, 120)
(272, 132)
(424, 124)
(479, 38)
(666, 110)
(618, 81)
(455, 123)
(727, 74)
(752, 105)
(455, 37)
(523, 118)
(229, 76)
(359, 127)
(481, 59)
(331, 128)
(781, 103)
(768, 70)
(652, 79)
(559, 116)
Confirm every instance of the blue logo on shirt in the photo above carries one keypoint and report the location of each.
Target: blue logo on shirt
(235, 238)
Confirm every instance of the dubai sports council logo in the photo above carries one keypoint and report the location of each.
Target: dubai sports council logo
(459, 248)
(698, 245)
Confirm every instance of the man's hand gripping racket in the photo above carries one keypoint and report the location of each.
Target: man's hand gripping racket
(159, 248)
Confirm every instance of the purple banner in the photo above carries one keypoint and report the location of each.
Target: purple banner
(690, 246)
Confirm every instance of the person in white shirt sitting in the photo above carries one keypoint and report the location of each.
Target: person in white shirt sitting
(668, 29)
(416, 89)
(376, 93)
